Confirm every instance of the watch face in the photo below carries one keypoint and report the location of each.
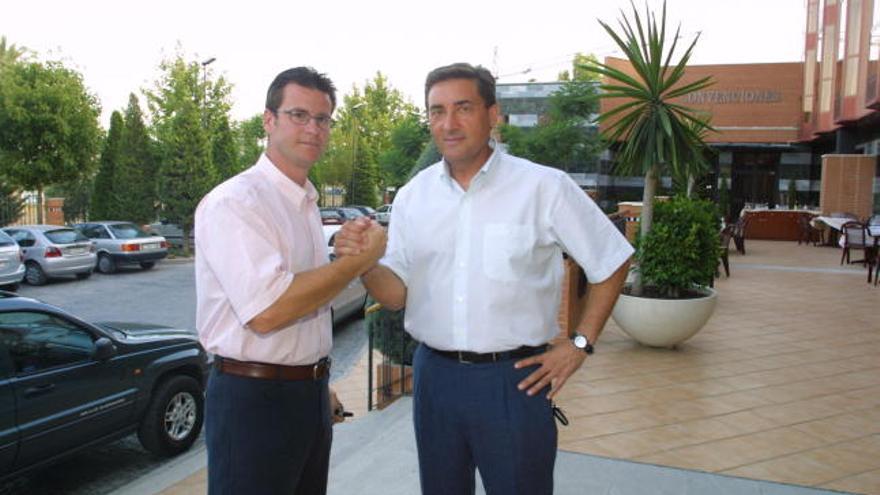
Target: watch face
(580, 341)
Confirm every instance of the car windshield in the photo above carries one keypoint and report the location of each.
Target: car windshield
(65, 236)
(127, 231)
(5, 240)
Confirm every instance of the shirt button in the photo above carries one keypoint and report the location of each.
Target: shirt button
(459, 299)
(461, 265)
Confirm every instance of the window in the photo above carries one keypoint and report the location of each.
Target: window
(96, 232)
(38, 341)
(65, 236)
(128, 231)
(23, 237)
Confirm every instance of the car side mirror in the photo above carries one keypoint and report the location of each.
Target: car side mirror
(104, 349)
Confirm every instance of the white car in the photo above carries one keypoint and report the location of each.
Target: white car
(11, 266)
(350, 302)
(383, 214)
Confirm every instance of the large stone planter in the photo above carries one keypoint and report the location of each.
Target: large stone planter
(663, 322)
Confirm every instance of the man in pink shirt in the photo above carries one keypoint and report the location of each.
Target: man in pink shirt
(264, 283)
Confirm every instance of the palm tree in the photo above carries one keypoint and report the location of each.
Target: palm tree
(9, 53)
(655, 134)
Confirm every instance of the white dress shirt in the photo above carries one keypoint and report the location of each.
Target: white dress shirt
(253, 234)
(483, 267)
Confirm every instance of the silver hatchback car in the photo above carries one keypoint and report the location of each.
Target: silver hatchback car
(123, 243)
(11, 266)
(53, 251)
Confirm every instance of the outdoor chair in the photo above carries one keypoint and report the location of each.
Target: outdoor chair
(844, 214)
(854, 238)
(739, 233)
(808, 233)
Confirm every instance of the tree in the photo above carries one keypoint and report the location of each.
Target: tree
(366, 121)
(408, 138)
(563, 138)
(105, 197)
(654, 133)
(11, 203)
(49, 130)
(429, 156)
(251, 139)
(186, 171)
(138, 165)
(9, 53)
(224, 150)
(77, 198)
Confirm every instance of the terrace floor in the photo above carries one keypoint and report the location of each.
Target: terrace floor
(782, 385)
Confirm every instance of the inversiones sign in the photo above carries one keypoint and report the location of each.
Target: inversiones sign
(733, 96)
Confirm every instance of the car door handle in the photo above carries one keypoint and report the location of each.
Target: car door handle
(39, 390)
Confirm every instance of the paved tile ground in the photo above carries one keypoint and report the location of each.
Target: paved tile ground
(783, 383)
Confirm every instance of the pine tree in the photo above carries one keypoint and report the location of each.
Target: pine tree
(224, 150)
(105, 197)
(186, 174)
(137, 168)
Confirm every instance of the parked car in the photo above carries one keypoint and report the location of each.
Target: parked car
(11, 263)
(123, 243)
(383, 214)
(52, 251)
(366, 210)
(172, 233)
(329, 216)
(350, 302)
(345, 212)
(67, 385)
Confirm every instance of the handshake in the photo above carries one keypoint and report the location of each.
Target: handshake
(363, 239)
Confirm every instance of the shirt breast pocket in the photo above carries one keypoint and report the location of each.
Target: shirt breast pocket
(507, 249)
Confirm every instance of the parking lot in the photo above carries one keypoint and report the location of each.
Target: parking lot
(164, 295)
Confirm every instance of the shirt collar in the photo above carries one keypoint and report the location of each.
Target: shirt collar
(300, 195)
(491, 163)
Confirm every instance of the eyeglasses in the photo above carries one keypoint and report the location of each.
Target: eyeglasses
(301, 117)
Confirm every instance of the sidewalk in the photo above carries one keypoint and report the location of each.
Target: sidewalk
(782, 386)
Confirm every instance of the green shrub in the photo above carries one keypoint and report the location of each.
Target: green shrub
(389, 337)
(681, 251)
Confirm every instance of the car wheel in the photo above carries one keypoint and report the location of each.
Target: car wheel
(174, 418)
(34, 274)
(146, 265)
(84, 275)
(106, 264)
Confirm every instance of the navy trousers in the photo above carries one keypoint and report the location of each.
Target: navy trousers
(267, 437)
(472, 416)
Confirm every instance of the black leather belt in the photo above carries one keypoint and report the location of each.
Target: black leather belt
(467, 357)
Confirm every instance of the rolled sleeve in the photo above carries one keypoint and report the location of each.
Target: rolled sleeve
(237, 246)
(586, 234)
(395, 253)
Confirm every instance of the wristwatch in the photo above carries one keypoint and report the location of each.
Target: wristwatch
(582, 342)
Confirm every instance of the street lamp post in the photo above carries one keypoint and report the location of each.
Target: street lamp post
(353, 113)
(205, 64)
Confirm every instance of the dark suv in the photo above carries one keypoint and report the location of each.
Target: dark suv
(66, 385)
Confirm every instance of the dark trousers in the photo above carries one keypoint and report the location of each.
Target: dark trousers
(472, 416)
(267, 437)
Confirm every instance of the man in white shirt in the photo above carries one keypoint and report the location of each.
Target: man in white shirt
(475, 255)
(264, 283)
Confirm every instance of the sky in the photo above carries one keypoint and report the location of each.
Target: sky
(118, 45)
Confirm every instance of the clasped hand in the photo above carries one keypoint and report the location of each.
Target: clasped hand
(360, 236)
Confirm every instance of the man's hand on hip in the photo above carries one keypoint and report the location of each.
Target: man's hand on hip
(556, 365)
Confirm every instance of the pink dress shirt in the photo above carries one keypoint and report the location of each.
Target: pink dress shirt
(253, 234)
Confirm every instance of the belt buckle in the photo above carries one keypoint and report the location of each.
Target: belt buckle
(316, 369)
(461, 358)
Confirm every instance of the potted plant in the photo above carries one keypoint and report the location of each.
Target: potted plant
(655, 134)
(676, 260)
